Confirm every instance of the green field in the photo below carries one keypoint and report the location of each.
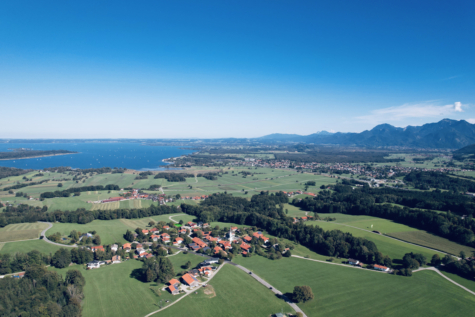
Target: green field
(110, 231)
(396, 230)
(393, 248)
(111, 291)
(341, 291)
(22, 231)
(237, 294)
(27, 246)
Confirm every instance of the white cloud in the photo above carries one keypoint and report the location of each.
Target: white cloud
(422, 110)
(472, 121)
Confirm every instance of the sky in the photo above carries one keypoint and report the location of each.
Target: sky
(215, 69)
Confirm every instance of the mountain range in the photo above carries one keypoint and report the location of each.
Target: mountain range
(445, 134)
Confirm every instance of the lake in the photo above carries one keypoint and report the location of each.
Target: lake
(94, 155)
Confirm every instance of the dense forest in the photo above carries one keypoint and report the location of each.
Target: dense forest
(261, 211)
(68, 192)
(11, 171)
(31, 153)
(428, 180)
(378, 202)
(42, 293)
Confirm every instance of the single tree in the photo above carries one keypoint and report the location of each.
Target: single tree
(302, 294)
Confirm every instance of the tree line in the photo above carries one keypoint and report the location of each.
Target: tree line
(68, 192)
(428, 180)
(11, 171)
(31, 153)
(377, 202)
(262, 212)
(18, 186)
(25, 213)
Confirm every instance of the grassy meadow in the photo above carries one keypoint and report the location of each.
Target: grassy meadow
(22, 231)
(27, 246)
(392, 229)
(341, 291)
(235, 294)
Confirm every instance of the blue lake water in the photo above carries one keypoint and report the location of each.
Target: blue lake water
(94, 155)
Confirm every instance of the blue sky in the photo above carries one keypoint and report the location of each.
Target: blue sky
(175, 69)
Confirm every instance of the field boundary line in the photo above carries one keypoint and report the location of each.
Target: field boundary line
(441, 274)
(340, 264)
(19, 240)
(179, 299)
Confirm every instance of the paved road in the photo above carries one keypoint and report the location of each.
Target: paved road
(448, 279)
(43, 234)
(273, 289)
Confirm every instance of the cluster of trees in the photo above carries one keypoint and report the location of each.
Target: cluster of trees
(42, 293)
(464, 267)
(20, 261)
(25, 213)
(143, 175)
(174, 177)
(31, 153)
(157, 269)
(302, 294)
(427, 180)
(17, 186)
(262, 211)
(68, 192)
(377, 202)
(11, 171)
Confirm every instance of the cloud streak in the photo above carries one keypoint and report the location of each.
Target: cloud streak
(422, 110)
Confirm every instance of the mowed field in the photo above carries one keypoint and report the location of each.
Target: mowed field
(235, 294)
(342, 291)
(27, 246)
(22, 231)
(393, 248)
(392, 229)
(110, 231)
(112, 291)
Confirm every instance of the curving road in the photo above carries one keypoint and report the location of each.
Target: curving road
(43, 234)
(448, 279)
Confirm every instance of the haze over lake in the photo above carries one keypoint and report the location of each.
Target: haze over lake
(94, 155)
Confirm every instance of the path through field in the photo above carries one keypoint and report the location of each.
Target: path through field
(174, 216)
(448, 279)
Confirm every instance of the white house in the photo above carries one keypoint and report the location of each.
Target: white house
(93, 265)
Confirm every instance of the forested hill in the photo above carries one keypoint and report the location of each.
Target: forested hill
(445, 134)
(469, 149)
(31, 153)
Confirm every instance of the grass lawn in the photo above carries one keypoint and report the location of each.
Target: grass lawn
(393, 248)
(236, 294)
(22, 231)
(341, 291)
(470, 284)
(27, 246)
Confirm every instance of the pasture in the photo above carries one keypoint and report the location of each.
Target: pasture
(22, 231)
(344, 291)
(399, 231)
(27, 246)
(393, 248)
(237, 294)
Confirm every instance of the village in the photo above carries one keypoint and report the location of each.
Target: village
(216, 245)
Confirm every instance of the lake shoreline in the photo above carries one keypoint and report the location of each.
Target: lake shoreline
(30, 157)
